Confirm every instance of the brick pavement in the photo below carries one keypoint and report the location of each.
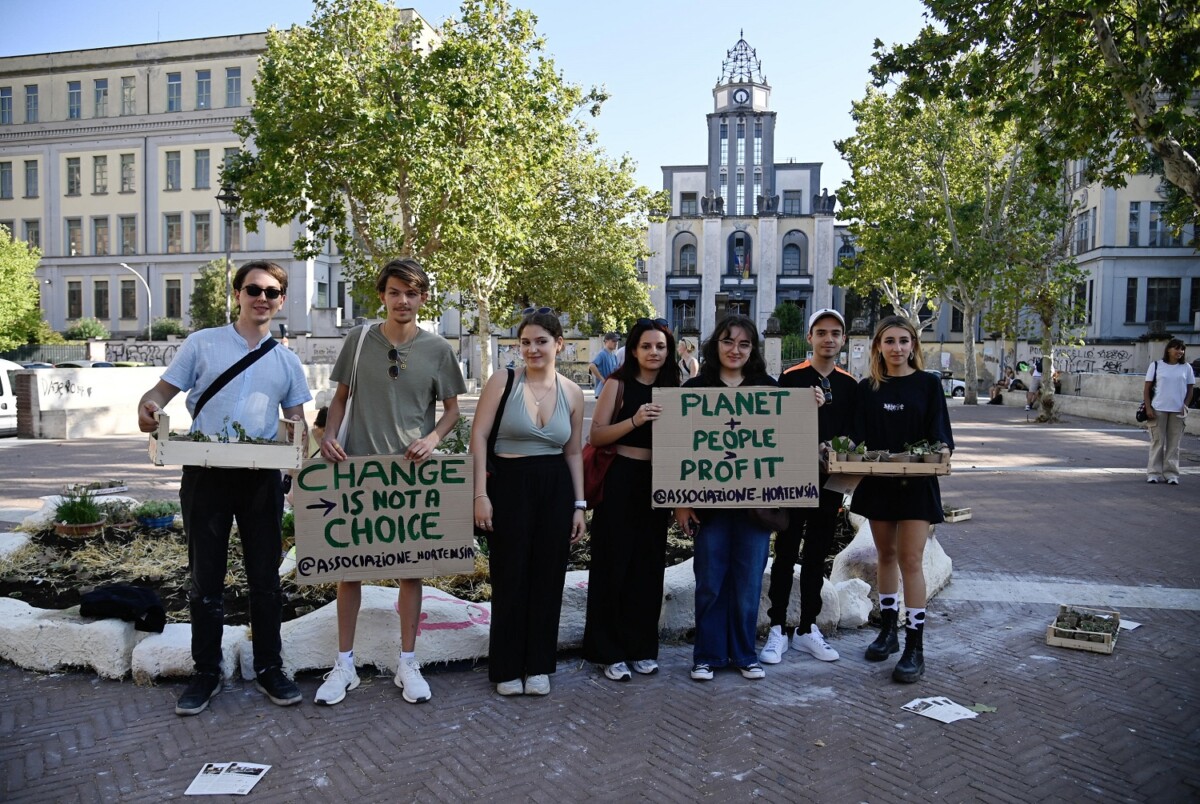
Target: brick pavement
(1069, 725)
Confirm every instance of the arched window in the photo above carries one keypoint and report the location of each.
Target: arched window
(845, 253)
(738, 258)
(791, 260)
(687, 261)
(795, 254)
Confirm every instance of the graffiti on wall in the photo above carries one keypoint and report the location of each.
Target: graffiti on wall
(148, 352)
(63, 388)
(1090, 359)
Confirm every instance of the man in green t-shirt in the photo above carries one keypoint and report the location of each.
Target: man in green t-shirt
(402, 372)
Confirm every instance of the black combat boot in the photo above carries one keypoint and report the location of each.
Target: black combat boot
(911, 666)
(886, 643)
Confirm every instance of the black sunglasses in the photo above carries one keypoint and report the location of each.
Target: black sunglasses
(828, 391)
(537, 310)
(256, 291)
(653, 322)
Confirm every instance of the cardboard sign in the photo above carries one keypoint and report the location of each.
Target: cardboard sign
(384, 516)
(746, 447)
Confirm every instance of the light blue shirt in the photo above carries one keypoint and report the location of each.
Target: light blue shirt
(252, 399)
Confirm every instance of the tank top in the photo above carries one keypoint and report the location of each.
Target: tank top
(519, 435)
(635, 395)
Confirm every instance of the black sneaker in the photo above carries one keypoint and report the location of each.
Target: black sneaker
(199, 692)
(278, 687)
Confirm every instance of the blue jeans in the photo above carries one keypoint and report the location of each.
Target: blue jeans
(730, 557)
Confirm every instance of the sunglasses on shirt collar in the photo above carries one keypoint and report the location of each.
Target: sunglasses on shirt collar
(828, 391)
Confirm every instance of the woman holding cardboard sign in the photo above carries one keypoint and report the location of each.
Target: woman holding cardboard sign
(900, 404)
(629, 537)
(528, 506)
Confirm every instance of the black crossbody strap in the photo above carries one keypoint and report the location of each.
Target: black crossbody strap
(491, 447)
(231, 372)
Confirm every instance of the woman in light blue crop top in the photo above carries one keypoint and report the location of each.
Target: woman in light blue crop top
(532, 504)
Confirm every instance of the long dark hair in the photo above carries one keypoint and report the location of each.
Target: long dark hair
(1174, 343)
(668, 375)
(710, 365)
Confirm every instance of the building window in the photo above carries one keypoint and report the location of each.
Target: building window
(6, 108)
(689, 204)
(202, 169)
(322, 299)
(99, 175)
(8, 226)
(228, 157)
(739, 255)
(74, 299)
(174, 299)
(100, 299)
(683, 316)
(127, 173)
(723, 187)
(1131, 291)
(128, 299)
(173, 170)
(1162, 298)
(791, 260)
(128, 234)
(233, 234)
(74, 100)
(74, 238)
(1135, 222)
(758, 186)
(202, 231)
(74, 179)
(100, 236)
(203, 89)
(174, 92)
(174, 233)
(741, 144)
(846, 255)
(1085, 231)
(741, 192)
(6, 187)
(687, 261)
(128, 96)
(793, 202)
(758, 142)
(1160, 232)
(100, 95)
(724, 137)
(956, 320)
(33, 233)
(233, 86)
(31, 103)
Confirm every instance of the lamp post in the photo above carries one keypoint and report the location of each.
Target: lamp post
(145, 284)
(227, 202)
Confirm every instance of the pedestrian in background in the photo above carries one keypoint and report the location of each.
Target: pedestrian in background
(689, 366)
(1167, 393)
(604, 363)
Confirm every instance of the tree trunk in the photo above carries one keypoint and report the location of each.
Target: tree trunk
(970, 370)
(1048, 413)
(483, 325)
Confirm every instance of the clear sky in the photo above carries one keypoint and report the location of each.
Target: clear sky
(659, 59)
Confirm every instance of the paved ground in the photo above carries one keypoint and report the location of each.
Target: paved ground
(1061, 513)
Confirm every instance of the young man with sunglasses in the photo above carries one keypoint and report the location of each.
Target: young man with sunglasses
(402, 372)
(212, 498)
(815, 526)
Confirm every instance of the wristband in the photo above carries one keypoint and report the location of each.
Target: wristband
(581, 505)
(477, 496)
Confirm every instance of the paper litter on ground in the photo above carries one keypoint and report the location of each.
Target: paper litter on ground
(226, 778)
(943, 709)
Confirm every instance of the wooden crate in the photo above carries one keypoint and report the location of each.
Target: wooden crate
(287, 455)
(956, 514)
(887, 468)
(1083, 640)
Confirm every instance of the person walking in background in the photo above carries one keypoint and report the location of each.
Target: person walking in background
(402, 372)
(689, 366)
(604, 363)
(1170, 383)
(534, 508)
(1035, 385)
(628, 535)
(234, 374)
(814, 526)
(900, 404)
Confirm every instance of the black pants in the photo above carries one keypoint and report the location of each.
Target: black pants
(211, 499)
(532, 511)
(625, 584)
(815, 527)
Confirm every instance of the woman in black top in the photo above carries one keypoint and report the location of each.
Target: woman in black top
(629, 537)
(900, 404)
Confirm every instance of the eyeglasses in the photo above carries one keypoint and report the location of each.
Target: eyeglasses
(256, 291)
(653, 322)
(828, 391)
(537, 310)
(741, 346)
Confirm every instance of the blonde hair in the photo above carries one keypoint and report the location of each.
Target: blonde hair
(878, 364)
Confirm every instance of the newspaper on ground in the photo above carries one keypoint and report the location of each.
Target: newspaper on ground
(226, 778)
(943, 709)
(1127, 625)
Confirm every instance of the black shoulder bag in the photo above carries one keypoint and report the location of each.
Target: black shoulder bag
(1140, 413)
(231, 372)
(491, 442)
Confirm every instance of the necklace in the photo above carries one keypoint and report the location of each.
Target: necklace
(537, 400)
(401, 358)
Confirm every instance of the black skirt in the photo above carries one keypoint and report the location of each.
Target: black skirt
(892, 499)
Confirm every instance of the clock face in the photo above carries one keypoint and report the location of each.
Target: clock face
(741, 96)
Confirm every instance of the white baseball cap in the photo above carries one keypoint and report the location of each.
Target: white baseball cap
(825, 311)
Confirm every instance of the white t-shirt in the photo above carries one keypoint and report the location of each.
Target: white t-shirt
(1173, 382)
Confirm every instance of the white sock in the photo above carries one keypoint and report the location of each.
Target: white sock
(405, 656)
(916, 619)
(889, 600)
(346, 657)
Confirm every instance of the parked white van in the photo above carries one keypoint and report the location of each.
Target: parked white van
(8, 398)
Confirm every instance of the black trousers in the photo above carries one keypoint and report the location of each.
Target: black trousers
(210, 500)
(815, 527)
(532, 511)
(625, 584)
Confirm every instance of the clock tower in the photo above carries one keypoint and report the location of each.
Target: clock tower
(741, 134)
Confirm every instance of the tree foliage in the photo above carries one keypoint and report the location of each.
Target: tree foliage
(86, 328)
(468, 155)
(791, 320)
(207, 306)
(20, 311)
(162, 327)
(1102, 79)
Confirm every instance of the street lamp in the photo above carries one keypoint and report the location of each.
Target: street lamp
(145, 284)
(227, 202)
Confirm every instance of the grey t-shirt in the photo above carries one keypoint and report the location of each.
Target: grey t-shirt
(388, 415)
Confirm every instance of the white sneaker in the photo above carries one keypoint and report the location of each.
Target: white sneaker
(777, 645)
(514, 687)
(408, 678)
(617, 672)
(815, 644)
(537, 685)
(646, 667)
(338, 681)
